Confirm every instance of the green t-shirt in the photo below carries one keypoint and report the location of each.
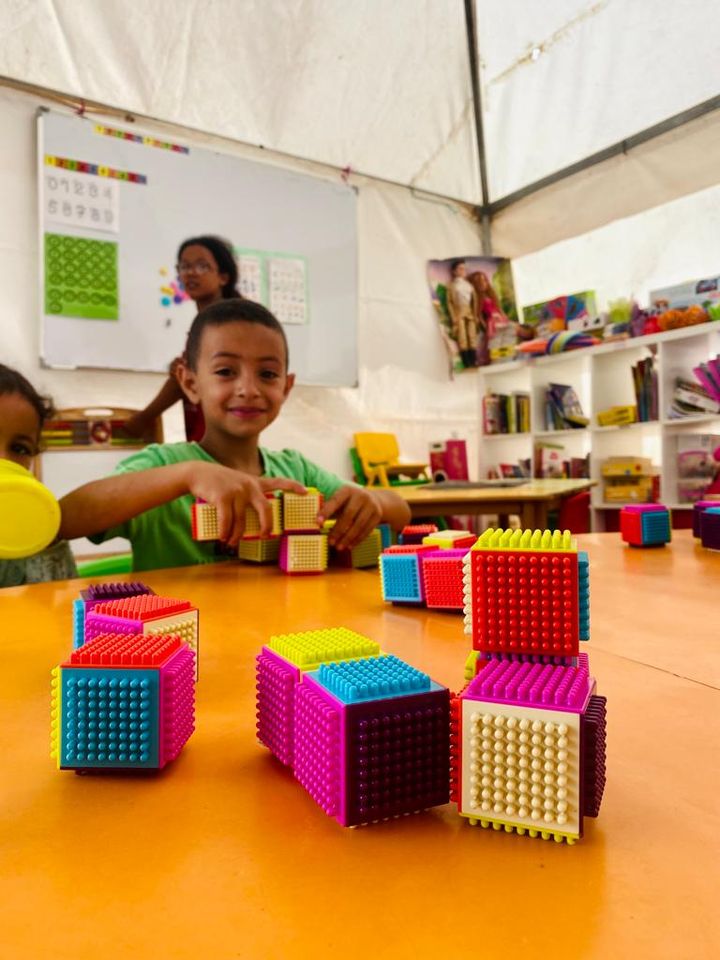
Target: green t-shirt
(162, 537)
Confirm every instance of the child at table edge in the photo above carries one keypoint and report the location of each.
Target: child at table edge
(236, 368)
(23, 411)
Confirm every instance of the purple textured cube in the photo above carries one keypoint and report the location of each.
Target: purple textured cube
(593, 729)
(372, 760)
(710, 527)
(698, 508)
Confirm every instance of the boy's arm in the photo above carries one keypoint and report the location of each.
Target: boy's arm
(358, 510)
(102, 504)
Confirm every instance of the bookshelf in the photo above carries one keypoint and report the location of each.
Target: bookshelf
(602, 377)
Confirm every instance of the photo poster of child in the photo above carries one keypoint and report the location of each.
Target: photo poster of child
(474, 299)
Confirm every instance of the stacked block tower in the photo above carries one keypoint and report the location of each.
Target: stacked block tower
(125, 698)
(295, 542)
(528, 730)
(365, 733)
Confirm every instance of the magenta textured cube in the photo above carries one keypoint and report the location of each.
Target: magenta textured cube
(177, 704)
(555, 686)
(275, 713)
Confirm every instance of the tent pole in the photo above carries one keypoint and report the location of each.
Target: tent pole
(483, 210)
(622, 147)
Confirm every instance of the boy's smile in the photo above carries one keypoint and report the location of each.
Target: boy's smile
(241, 383)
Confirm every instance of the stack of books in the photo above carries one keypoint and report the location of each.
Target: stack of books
(506, 413)
(690, 399)
(562, 408)
(645, 382)
(551, 463)
(708, 374)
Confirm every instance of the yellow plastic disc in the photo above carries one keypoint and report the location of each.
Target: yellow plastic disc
(29, 513)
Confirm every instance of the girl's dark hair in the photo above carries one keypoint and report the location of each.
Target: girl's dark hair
(230, 311)
(222, 251)
(454, 264)
(13, 382)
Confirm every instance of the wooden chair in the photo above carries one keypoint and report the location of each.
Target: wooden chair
(380, 458)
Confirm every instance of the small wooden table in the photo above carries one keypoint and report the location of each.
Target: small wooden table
(531, 502)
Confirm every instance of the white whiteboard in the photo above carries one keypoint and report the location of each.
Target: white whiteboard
(303, 220)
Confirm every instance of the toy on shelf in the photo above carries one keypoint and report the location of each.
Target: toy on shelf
(30, 513)
(123, 702)
(528, 731)
(645, 525)
(366, 735)
(617, 416)
(631, 479)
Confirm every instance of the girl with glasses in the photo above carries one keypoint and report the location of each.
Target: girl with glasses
(207, 270)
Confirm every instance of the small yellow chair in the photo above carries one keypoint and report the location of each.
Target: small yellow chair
(379, 455)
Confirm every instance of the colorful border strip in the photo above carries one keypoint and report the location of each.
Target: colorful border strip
(137, 138)
(97, 170)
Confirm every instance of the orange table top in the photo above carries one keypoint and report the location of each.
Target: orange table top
(224, 855)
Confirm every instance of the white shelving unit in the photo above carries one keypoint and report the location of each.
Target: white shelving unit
(602, 377)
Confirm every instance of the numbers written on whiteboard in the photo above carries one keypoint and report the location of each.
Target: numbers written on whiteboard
(77, 199)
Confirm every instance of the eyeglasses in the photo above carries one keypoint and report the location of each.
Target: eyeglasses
(202, 266)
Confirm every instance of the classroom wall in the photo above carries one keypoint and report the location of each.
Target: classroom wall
(404, 385)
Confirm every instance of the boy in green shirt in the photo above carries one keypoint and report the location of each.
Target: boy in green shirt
(236, 368)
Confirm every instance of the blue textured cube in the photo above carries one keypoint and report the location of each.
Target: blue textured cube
(372, 678)
(401, 578)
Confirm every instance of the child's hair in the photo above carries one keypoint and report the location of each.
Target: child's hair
(454, 264)
(230, 311)
(224, 257)
(13, 382)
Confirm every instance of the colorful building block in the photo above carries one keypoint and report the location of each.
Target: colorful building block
(401, 573)
(303, 552)
(710, 527)
(97, 593)
(147, 614)
(365, 554)
(205, 522)
(260, 550)
(522, 594)
(279, 667)
(386, 535)
(698, 507)
(450, 539)
(415, 532)
(123, 701)
(442, 573)
(371, 740)
(645, 524)
(528, 748)
(300, 510)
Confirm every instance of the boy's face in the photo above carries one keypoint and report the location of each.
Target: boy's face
(19, 429)
(241, 380)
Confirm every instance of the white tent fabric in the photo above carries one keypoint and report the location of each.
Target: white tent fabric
(565, 79)
(383, 88)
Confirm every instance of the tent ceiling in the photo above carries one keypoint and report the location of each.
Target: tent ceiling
(383, 87)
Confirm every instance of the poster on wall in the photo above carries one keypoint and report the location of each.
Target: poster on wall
(474, 299)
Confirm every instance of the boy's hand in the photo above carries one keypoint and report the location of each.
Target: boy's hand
(232, 492)
(357, 513)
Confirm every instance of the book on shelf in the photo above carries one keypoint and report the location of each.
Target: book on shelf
(698, 470)
(708, 373)
(519, 469)
(551, 463)
(506, 413)
(645, 384)
(691, 399)
(563, 410)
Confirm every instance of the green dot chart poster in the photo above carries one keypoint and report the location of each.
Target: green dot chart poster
(81, 277)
